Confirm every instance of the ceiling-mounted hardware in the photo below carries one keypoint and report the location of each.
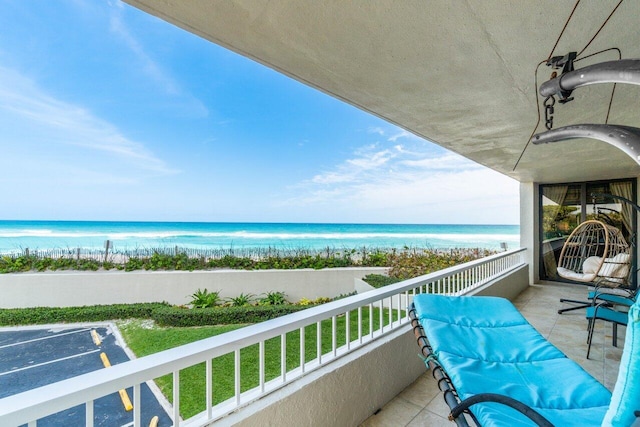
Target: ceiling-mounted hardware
(566, 63)
(625, 138)
(621, 71)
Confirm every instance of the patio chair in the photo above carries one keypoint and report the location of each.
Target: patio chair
(603, 311)
(610, 307)
(496, 369)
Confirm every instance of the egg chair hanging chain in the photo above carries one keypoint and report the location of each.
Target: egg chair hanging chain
(549, 102)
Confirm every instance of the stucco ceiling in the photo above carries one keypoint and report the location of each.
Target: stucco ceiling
(458, 73)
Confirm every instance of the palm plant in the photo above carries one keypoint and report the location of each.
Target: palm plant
(205, 299)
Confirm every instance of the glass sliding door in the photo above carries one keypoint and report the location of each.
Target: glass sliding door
(564, 206)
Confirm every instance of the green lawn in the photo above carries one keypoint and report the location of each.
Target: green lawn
(143, 339)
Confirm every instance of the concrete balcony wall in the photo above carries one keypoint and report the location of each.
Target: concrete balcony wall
(69, 289)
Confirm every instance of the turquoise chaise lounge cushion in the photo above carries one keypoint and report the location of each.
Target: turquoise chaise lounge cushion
(486, 346)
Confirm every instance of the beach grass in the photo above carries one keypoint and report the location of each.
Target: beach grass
(145, 338)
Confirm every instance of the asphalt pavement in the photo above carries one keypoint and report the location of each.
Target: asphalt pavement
(31, 358)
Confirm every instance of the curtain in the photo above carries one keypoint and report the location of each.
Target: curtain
(557, 194)
(624, 189)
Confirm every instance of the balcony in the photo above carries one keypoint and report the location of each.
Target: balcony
(368, 365)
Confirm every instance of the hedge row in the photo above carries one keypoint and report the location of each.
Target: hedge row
(172, 316)
(181, 261)
(162, 313)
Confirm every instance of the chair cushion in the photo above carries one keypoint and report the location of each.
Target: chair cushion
(486, 346)
(626, 393)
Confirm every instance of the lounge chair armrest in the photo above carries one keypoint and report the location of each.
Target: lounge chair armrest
(505, 400)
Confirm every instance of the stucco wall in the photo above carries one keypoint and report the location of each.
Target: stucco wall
(68, 289)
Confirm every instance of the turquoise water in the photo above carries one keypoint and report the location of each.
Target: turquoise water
(18, 235)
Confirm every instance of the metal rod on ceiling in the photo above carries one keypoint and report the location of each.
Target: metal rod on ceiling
(625, 138)
(621, 71)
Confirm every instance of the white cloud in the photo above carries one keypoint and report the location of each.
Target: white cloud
(421, 184)
(402, 134)
(378, 130)
(38, 113)
(150, 67)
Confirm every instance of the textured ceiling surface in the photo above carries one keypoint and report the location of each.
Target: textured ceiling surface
(461, 74)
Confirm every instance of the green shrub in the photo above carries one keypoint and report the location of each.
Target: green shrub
(172, 316)
(94, 313)
(241, 300)
(403, 264)
(379, 280)
(408, 264)
(273, 298)
(205, 299)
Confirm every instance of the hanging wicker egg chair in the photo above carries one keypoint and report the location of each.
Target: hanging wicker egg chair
(595, 252)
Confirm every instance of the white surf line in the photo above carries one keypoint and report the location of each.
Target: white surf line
(43, 338)
(49, 362)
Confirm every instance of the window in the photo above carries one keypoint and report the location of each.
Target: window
(565, 206)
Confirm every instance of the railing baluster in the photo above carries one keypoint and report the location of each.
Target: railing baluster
(236, 375)
(347, 328)
(209, 387)
(261, 373)
(371, 320)
(334, 335)
(176, 398)
(360, 325)
(89, 415)
(302, 350)
(283, 356)
(319, 341)
(137, 410)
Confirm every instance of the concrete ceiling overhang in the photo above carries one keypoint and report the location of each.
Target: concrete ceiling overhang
(458, 73)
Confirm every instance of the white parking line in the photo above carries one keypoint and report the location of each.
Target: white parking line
(49, 362)
(43, 338)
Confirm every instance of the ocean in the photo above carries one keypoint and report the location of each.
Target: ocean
(16, 236)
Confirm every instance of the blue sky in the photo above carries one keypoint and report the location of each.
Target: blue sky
(107, 113)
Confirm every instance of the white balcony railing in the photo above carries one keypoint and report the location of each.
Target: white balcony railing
(376, 313)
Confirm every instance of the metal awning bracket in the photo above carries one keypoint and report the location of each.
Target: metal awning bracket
(566, 63)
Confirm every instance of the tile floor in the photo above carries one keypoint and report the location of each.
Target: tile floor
(421, 404)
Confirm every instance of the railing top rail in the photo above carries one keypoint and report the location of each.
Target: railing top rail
(37, 403)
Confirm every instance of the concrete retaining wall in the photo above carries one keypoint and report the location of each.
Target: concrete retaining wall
(69, 289)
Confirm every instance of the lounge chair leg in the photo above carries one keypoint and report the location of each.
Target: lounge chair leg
(615, 334)
(581, 304)
(590, 336)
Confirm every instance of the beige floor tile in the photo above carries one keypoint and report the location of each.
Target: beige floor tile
(428, 418)
(398, 412)
(422, 391)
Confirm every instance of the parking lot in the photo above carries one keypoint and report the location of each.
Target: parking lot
(33, 357)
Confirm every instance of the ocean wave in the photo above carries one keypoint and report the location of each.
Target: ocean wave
(161, 235)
